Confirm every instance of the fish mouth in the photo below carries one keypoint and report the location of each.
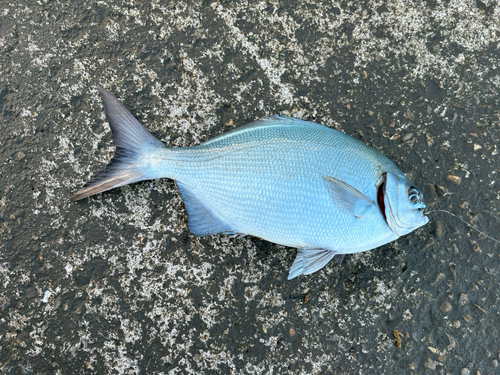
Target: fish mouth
(380, 197)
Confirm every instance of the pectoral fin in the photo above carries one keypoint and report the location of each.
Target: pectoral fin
(347, 198)
(310, 260)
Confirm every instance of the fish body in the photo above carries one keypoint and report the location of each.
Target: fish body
(267, 181)
(288, 181)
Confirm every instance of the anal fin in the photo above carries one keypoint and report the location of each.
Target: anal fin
(339, 258)
(201, 220)
(234, 234)
(309, 260)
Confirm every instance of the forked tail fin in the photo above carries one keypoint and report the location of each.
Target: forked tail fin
(132, 141)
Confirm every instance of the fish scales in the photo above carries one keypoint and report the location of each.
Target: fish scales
(285, 180)
(271, 186)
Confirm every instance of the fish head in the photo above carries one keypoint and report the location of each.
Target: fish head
(404, 206)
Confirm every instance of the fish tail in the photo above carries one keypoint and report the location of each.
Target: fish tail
(134, 146)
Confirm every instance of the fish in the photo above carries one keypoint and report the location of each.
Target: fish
(292, 182)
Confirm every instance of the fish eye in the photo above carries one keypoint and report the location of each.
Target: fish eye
(414, 195)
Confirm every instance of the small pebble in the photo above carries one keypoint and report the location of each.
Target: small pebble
(452, 342)
(407, 137)
(454, 179)
(445, 307)
(452, 266)
(494, 363)
(465, 371)
(20, 155)
(439, 277)
(462, 300)
(457, 323)
(475, 247)
(429, 140)
(439, 229)
(409, 115)
(430, 364)
(46, 296)
(467, 318)
(306, 297)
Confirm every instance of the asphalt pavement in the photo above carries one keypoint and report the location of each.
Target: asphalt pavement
(115, 284)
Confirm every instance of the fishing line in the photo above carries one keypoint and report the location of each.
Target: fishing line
(466, 223)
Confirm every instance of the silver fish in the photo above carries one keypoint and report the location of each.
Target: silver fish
(288, 181)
